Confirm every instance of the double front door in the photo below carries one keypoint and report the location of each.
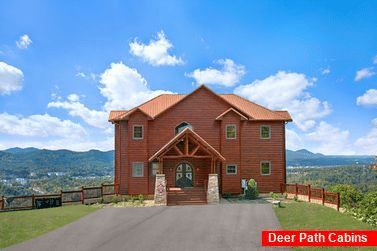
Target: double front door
(183, 175)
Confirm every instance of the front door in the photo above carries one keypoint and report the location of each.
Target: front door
(183, 175)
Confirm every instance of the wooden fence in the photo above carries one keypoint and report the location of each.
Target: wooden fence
(312, 194)
(66, 197)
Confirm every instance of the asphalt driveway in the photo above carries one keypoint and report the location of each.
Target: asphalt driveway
(208, 227)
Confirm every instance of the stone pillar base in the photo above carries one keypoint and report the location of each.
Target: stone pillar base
(160, 190)
(213, 189)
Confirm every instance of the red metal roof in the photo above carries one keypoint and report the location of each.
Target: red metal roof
(116, 114)
(161, 103)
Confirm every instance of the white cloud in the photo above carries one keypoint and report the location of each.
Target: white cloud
(39, 125)
(375, 59)
(331, 139)
(326, 71)
(24, 42)
(228, 76)
(11, 79)
(368, 143)
(91, 76)
(369, 98)
(124, 87)
(92, 117)
(287, 91)
(156, 52)
(293, 140)
(364, 73)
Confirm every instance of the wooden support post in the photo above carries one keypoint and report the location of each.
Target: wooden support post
(337, 201)
(323, 196)
(82, 194)
(160, 163)
(61, 196)
(186, 145)
(2, 202)
(102, 190)
(309, 193)
(32, 201)
(296, 189)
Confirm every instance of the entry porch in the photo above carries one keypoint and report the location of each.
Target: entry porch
(187, 161)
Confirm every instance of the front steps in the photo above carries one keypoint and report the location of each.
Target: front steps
(186, 196)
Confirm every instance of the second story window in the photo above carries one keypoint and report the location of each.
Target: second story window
(230, 131)
(265, 132)
(138, 132)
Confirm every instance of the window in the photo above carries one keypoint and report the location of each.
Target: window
(230, 131)
(231, 169)
(154, 168)
(138, 132)
(137, 169)
(182, 126)
(265, 132)
(265, 168)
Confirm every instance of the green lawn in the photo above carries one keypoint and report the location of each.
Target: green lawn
(303, 215)
(16, 227)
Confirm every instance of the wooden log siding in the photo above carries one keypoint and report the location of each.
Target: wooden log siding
(312, 193)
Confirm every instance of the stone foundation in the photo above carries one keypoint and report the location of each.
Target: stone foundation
(213, 189)
(160, 190)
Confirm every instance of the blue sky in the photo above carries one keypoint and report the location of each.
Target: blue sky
(65, 64)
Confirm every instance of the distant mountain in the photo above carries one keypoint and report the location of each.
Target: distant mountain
(304, 157)
(31, 162)
(302, 154)
(16, 150)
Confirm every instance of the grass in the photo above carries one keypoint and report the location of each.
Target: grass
(303, 215)
(19, 226)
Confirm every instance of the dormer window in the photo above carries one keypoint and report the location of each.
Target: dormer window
(182, 126)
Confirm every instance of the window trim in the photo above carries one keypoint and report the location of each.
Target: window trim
(187, 125)
(142, 169)
(235, 131)
(133, 132)
(236, 169)
(154, 164)
(269, 132)
(265, 161)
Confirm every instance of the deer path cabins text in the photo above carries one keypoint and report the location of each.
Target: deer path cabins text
(192, 137)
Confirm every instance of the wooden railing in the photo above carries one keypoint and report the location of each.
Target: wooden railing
(318, 194)
(66, 197)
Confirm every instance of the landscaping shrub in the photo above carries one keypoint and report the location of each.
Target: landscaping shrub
(349, 195)
(252, 190)
(141, 198)
(126, 198)
(116, 199)
(273, 195)
(227, 195)
(100, 200)
(368, 208)
(295, 198)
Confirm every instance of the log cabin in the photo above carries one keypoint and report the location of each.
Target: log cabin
(200, 140)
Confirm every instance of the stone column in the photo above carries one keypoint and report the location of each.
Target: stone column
(160, 190)
(213, 189)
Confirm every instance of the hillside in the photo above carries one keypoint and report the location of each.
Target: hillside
(306, 158)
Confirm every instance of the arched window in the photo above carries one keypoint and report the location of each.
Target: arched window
(182, 126)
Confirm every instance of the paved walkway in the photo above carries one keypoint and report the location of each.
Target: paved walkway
(208, 227)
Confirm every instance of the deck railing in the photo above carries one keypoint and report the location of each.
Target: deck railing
(53, 200)
(311, 194)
